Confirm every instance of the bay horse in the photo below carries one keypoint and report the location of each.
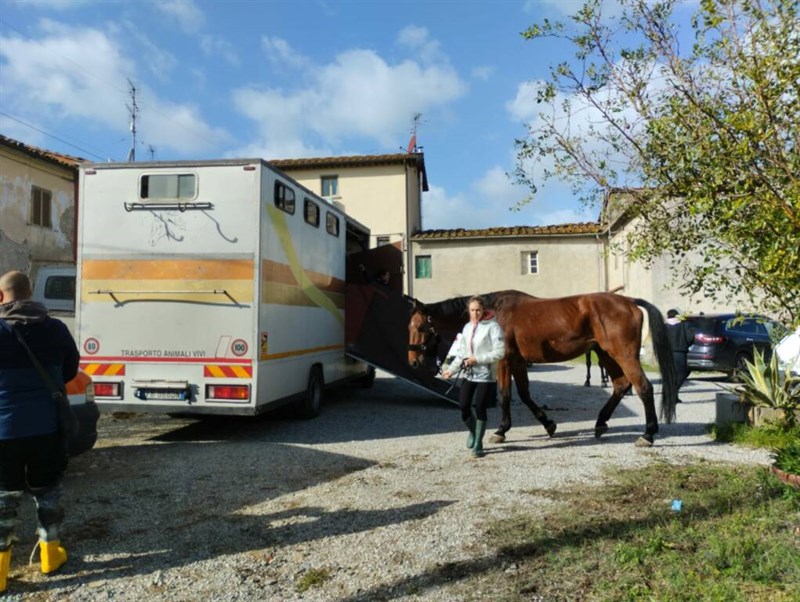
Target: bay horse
(541, 331)
(603, 375)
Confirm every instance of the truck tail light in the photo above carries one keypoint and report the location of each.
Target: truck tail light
(707, 339)
(238, 392)
(107, 390)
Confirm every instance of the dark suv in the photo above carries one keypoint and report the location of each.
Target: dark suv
(723, 342)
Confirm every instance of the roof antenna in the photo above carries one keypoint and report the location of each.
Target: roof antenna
(412, 143)
(133, 110)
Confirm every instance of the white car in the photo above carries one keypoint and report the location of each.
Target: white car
(788, 352)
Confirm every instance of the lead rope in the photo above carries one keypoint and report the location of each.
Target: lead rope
(462, 368)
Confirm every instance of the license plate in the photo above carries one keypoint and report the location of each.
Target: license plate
(162, 394)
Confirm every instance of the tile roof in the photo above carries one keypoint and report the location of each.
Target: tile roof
(349, 161)
(355, 161)
(40, 153)
(589, 228)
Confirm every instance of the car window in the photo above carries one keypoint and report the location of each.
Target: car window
(739, 326)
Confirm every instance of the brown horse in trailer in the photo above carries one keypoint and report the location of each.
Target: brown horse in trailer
(555, 330)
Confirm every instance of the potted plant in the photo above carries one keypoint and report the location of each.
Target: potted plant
(773, 394)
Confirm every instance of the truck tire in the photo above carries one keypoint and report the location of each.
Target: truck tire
(366, 381)
(309, 406)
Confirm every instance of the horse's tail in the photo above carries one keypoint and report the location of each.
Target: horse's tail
(669, 379)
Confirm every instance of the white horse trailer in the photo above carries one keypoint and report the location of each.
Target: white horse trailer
(211, 287)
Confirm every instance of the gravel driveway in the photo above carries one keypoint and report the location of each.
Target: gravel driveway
(365, 502)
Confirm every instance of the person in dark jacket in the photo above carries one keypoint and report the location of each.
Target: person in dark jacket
(33, 454)
(680, 339)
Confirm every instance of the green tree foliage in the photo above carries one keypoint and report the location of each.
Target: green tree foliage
(700, 127)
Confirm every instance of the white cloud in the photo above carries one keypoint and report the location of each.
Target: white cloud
(483, 73)
(280, 53)
(75, 73)
(184, 12)
(609, 8)
(523, 107)
(217, 46)
(575, 117)
(158, 61)
(417, 40)
(51, 5)
(356, 95)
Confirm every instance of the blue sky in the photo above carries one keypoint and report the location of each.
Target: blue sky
(291, 79)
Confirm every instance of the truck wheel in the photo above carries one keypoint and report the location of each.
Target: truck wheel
(366, 381)
(309, 405)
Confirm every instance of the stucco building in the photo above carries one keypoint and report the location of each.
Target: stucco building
(383, 192)
(38, 192)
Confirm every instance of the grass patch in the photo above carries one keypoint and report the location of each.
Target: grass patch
(769, 437)
(312, 578)
(736, 538)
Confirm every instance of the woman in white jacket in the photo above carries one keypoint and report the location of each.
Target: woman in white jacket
(477, 349)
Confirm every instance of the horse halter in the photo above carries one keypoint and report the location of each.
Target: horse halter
(429, 338)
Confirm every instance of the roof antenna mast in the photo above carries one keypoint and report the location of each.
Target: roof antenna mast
(412, 144)
(133, 109)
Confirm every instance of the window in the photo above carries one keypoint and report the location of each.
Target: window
(330, 185)
(284, 197)
(60, 287)
(41, 202)
(530, 262)
(311, 212)
(172, 186)
(422, 266)
(381, 240)
(332, 223)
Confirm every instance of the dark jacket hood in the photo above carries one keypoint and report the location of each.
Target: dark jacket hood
(23, 312)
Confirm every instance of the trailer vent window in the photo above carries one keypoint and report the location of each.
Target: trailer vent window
(311, 211)
(332, 223)
(172, 186)
(284, 198)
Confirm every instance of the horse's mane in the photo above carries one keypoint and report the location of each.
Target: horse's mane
(457, 306)
(448, 308)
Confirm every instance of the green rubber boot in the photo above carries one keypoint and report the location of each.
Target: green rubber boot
(470, 424)
(480, 429)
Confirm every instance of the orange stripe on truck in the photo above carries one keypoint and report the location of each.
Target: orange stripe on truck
(104, 369)
(167, 269)
(217, 371)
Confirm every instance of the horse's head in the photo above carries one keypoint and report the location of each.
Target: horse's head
(422, 337)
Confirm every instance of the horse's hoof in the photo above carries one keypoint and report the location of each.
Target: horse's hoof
(497, 438)
(551, 427)
(642, 442)
(599, 431)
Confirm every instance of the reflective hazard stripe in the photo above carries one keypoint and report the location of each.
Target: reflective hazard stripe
(217, 371)
(104, 369)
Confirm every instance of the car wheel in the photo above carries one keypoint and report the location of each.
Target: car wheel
(740, 365)
(309, 405)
